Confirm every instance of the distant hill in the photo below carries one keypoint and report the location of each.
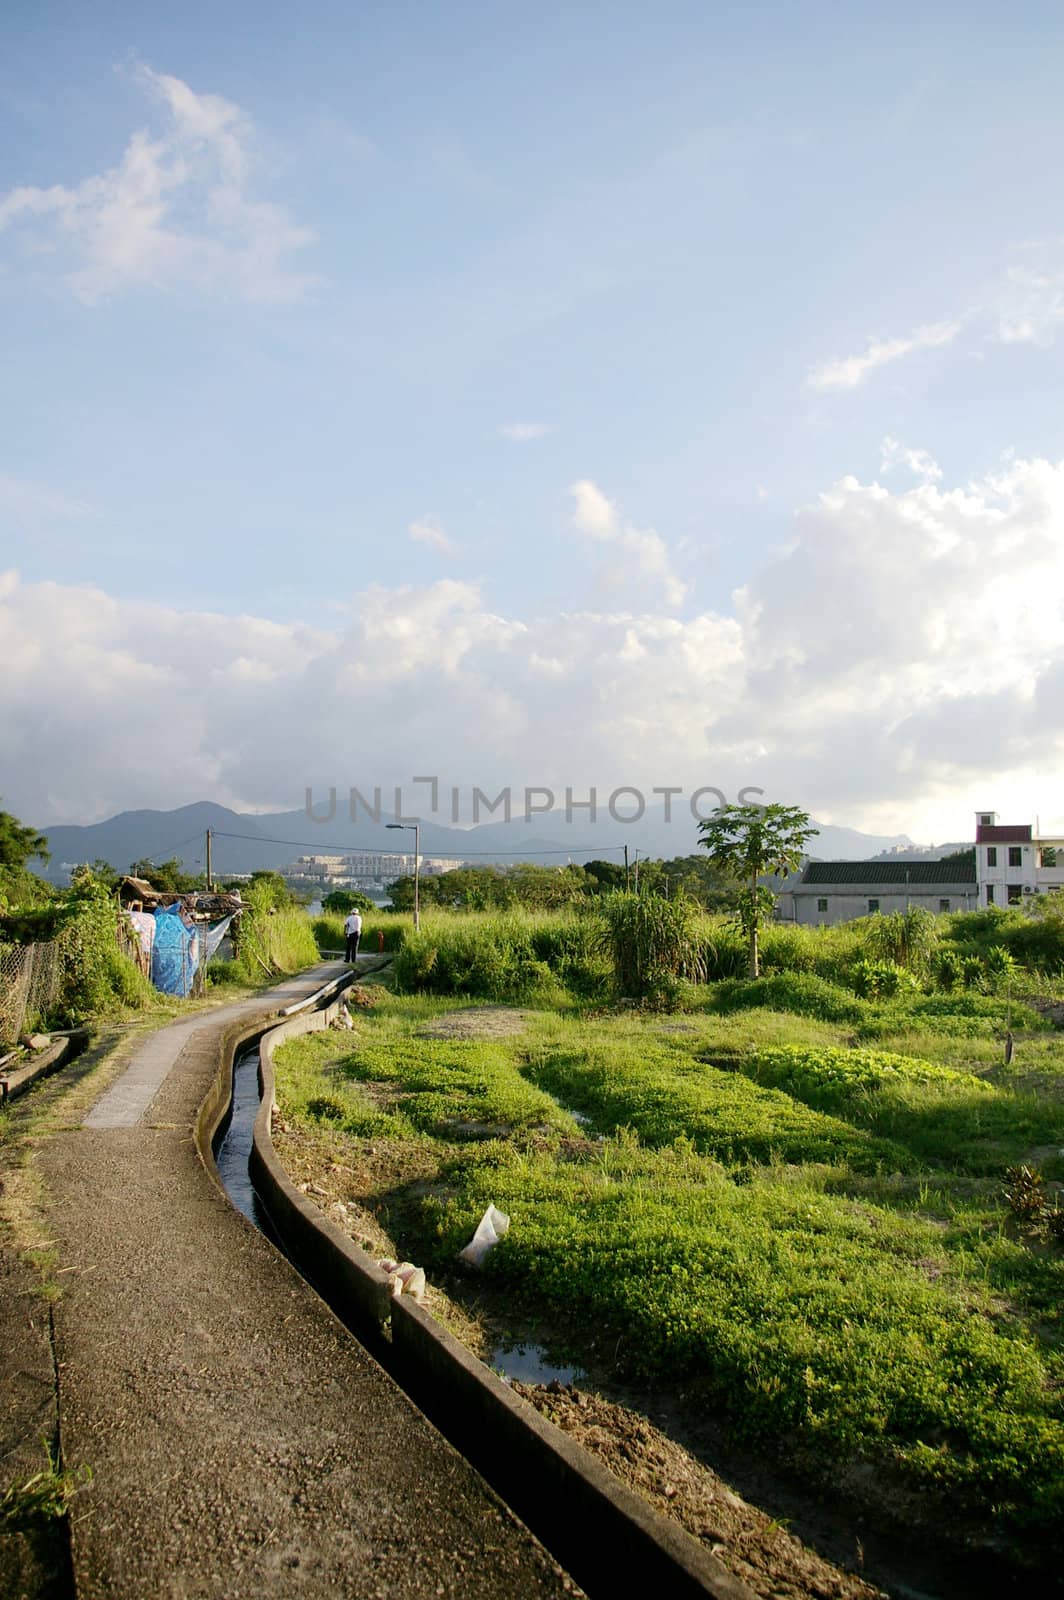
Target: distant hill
(244, 842)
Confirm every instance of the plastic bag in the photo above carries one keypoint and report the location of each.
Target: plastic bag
(490, 1229)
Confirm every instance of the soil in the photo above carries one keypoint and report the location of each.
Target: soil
(478, 1022)
(752, 1546)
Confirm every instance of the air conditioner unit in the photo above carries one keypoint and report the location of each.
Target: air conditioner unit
(1027, 889)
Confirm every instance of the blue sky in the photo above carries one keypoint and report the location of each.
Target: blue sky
(543, 335)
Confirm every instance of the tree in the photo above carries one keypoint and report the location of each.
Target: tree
(401, 893)
(169, 877)
(345, 900)
(18, 843)
(272, 887)
(749, 842)
(99, 871)
(604, 876)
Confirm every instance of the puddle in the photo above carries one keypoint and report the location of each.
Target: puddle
(526, 1363)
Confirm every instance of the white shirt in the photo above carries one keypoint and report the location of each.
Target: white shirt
(353, 923)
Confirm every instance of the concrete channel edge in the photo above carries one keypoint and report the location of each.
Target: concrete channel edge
(608, 1538)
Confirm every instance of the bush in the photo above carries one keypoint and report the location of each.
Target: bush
(903, 939)
(651, 942)
(800, 992)
(722, 949)
(491, 959)
(882, 980)
(785, 948)
(838, 1081)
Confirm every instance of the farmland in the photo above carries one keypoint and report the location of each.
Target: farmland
(817, 1225)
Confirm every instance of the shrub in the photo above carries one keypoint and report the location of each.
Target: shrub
(488, 958)
(651, 942)
(903, 938)
(948, 969)
(881, 980)
(800, 992)
(722, 950)
(786, 948)
(1025, 1193)
(1000, 967)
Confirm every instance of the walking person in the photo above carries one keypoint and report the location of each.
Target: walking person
(352, 933)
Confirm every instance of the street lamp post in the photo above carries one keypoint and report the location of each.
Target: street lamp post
(416, 826)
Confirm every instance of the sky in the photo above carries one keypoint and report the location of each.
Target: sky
(570, 396)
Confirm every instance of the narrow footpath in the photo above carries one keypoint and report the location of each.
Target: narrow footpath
(242, 1443)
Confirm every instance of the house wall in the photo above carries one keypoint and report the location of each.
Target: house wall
(845, 901)
(1029, 877)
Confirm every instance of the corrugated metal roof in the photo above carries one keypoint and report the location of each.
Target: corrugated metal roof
(900, 872)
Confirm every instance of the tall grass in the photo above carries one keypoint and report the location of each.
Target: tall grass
(652, 942)
(270, 941)
(503, 956)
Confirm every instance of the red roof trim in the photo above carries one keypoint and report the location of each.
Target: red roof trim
(1003, 833)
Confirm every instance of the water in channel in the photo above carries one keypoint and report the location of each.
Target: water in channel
(232, 1146)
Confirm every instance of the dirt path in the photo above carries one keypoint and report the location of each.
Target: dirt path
(241, 1442)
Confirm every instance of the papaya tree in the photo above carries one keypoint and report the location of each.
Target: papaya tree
(752, 842)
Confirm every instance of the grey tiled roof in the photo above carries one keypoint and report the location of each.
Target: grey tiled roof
(898, 872)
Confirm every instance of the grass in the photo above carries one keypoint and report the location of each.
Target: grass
(810, 1232)
(43, 1497)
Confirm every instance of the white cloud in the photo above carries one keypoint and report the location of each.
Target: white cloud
(1031, 304)
(644, 553)
(522, 432)
(593, 513)
(428, 531)
(919, 462)
(901, 657)
(177, 209)
(852, 370)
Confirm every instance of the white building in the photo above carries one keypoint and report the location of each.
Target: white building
(826, 892)
(1013, 863)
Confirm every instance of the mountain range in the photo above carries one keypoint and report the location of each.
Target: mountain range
(243, 842)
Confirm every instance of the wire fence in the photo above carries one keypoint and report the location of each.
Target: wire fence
(31, 978)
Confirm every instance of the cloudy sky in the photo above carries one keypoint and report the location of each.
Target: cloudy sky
(563, 395)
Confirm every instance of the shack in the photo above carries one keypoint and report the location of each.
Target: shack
(173, 936)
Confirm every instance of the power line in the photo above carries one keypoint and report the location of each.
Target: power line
(318, 845)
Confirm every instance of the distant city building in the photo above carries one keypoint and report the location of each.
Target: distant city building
(358, 868)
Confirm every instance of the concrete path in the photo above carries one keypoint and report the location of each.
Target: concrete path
(243, 1444)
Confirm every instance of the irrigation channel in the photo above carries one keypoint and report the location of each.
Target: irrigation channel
(605, 1531)
(520, 1359)
(232, 1144)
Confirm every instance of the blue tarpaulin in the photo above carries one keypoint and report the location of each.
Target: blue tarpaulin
(175, 953)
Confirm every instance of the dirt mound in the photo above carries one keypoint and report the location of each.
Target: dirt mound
(756, 1549)
(478, 1022)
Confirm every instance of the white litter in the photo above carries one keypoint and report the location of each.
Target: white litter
(490, 1229)
(406, 1278)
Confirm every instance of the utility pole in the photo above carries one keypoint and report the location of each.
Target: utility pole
(627, 880)
(210, 873)
(637, 872)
